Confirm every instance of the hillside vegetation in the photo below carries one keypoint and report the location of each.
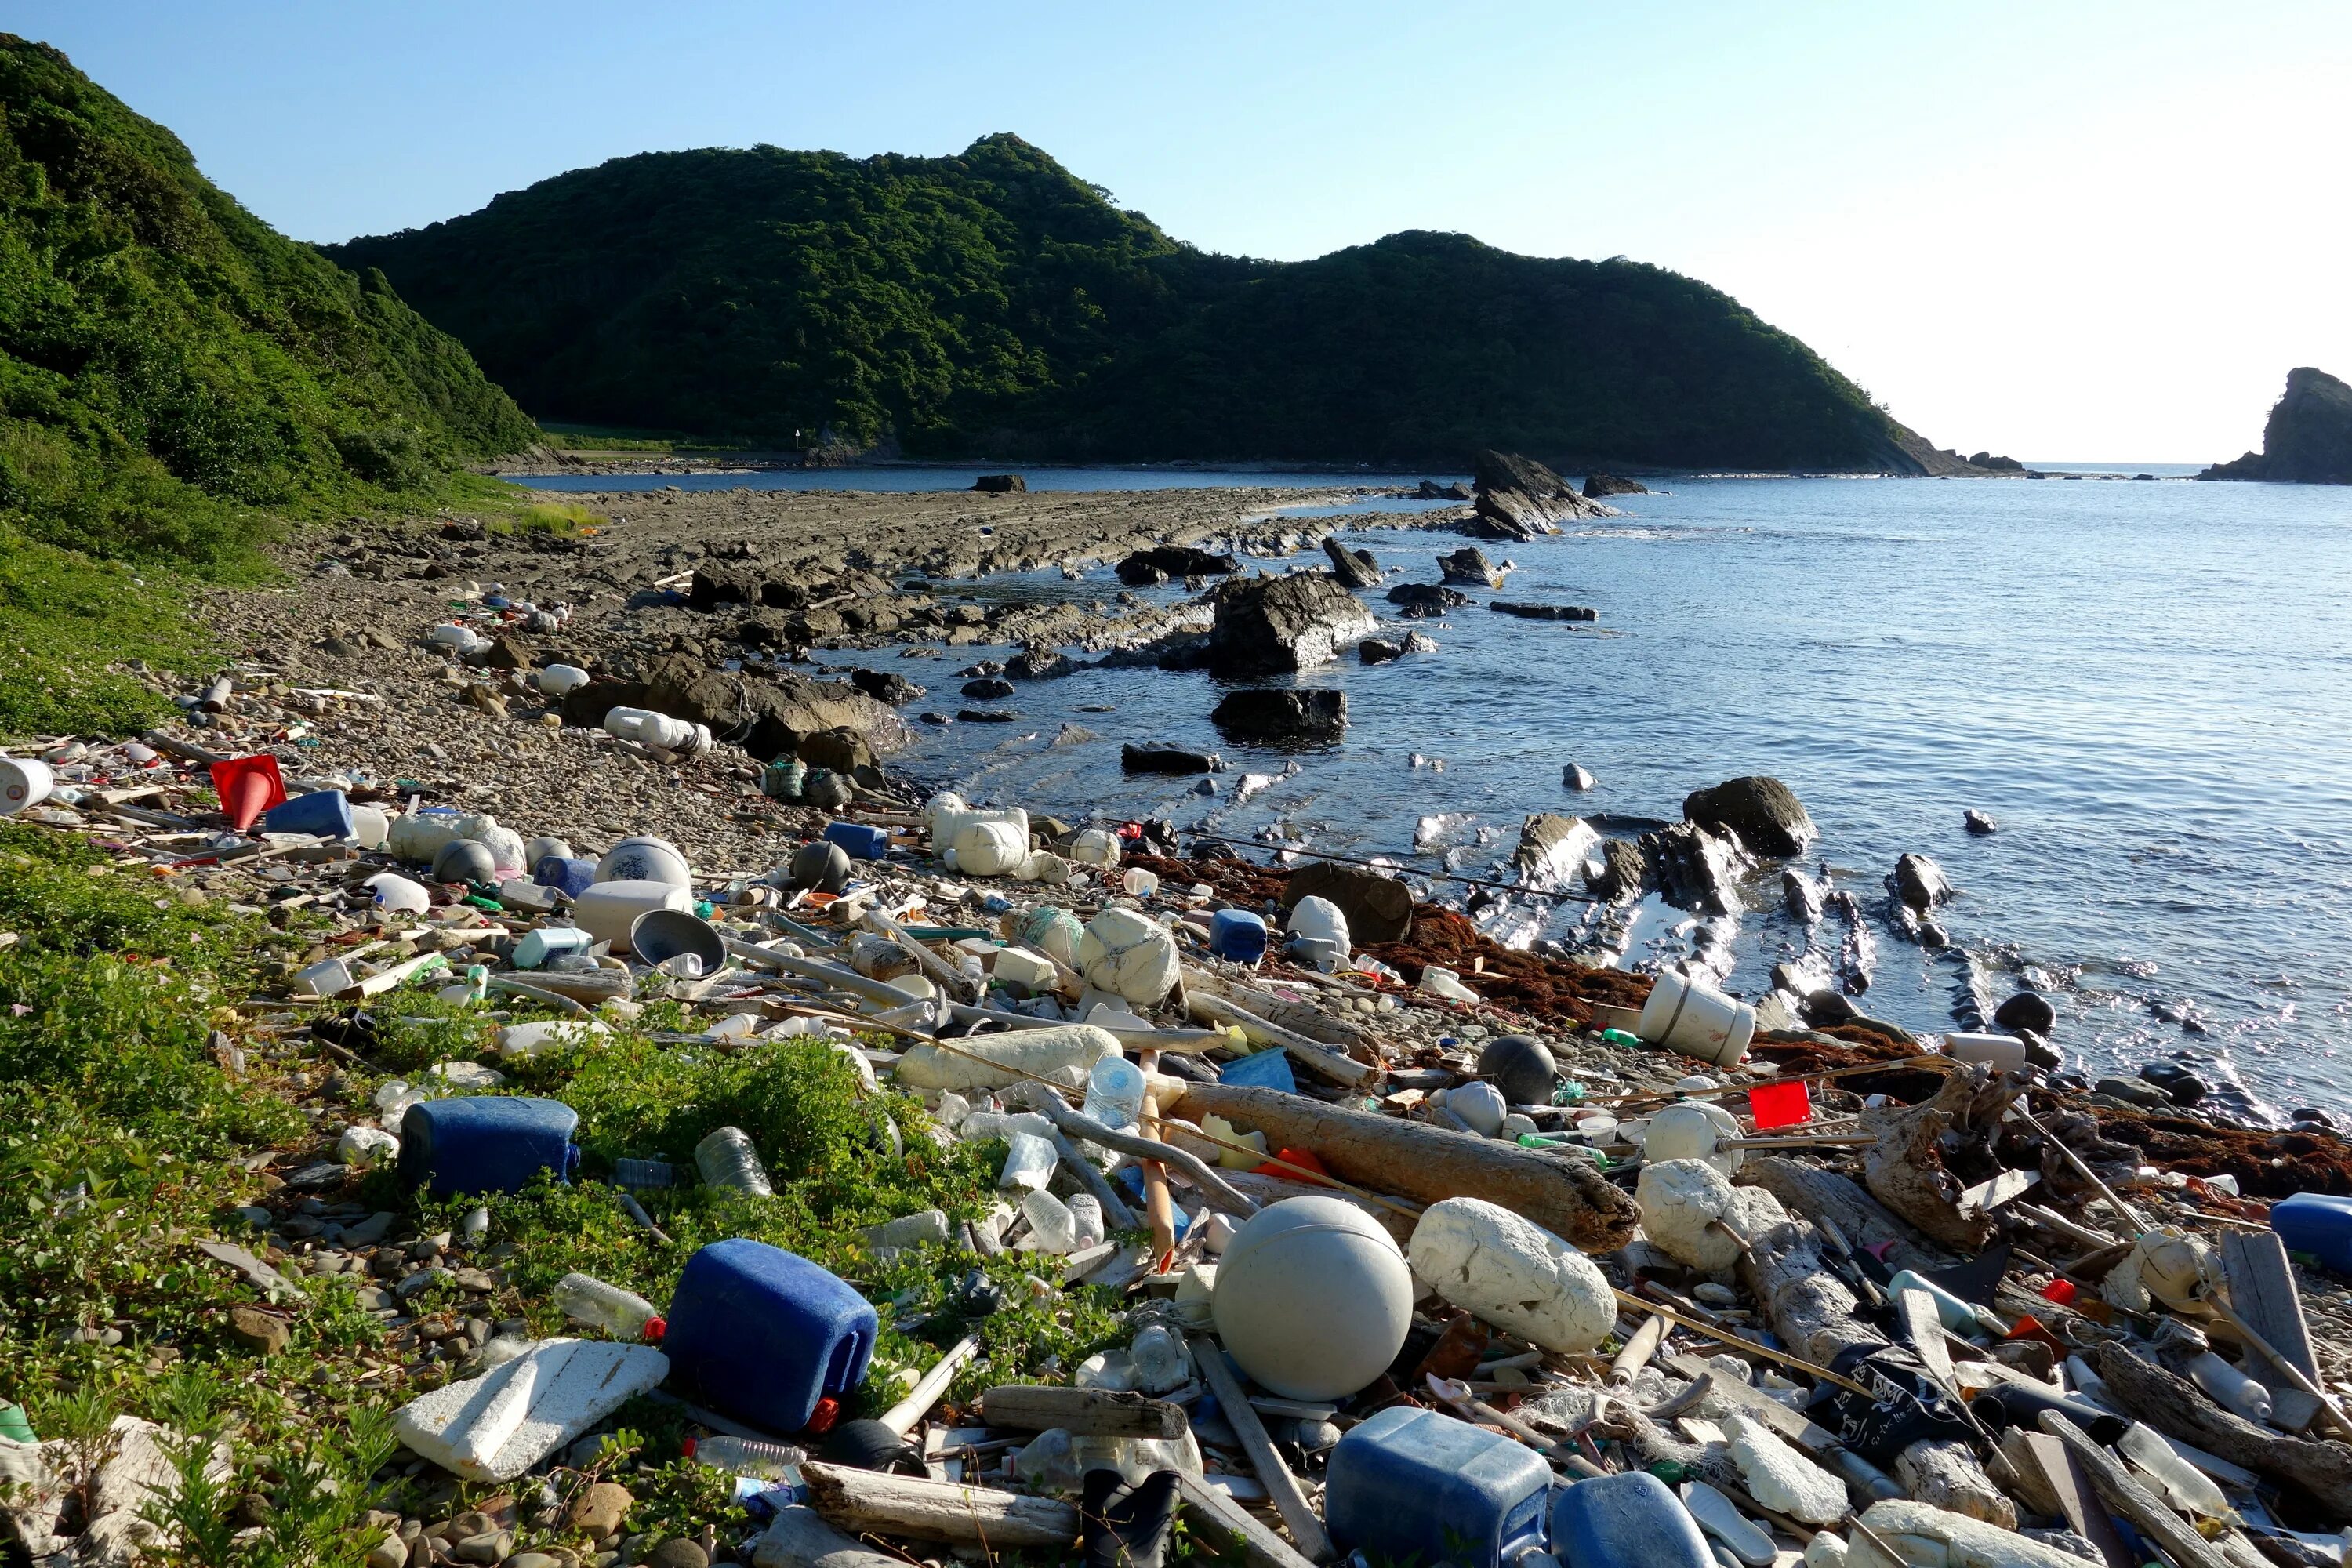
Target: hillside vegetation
(173, 373)
(994, 303)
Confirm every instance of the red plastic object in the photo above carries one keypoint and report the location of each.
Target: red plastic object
(247, 786)
(655, 1328)
(1301, 1157)
(1780, 1104)
(2059, 1290)
(821, 1419)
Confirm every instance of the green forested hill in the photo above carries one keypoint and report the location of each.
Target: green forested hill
(173, 371)
(994, 304)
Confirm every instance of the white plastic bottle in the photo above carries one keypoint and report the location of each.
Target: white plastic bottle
(627, 1316)
(749, 1457)
(1115, 1093)
(2190, 1487)
(2230, 1388)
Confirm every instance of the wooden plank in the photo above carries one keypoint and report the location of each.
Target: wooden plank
(2262, 1292)
(2116, 1488)
(1915, 1312)
(2084, 1514)
(861, 1502)
(1289, 1498)
(1789, 1424)
(1082, 1411)
(1260, 1547)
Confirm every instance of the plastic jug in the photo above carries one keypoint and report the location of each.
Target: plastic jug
(859, 840)
(1611, 1520)
(324, 812)
(656, 730)
(568, 875)
(2318, 1223)
(490, 1143)
(1415, 1485)
(762, 1334)
(1237, 935)
(1115, 1092)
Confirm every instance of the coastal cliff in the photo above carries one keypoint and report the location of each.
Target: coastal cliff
(2308, 439)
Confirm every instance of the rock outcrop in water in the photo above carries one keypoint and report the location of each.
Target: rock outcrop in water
(1520, 499)
(1277, 714)
(1597, 487)
(1268, 626)
(2308, 440)
(1764, 813)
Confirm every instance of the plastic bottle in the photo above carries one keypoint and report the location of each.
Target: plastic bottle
(584, 1298)
(1086, 1210)
(749, 1457)
(728, 1159)
(1052, 1226)
(2190, 1487)
(1436, 980)
(1115, 1092)
(2230, 1388)
(653, 729)
(1029, 1162)
(643, 1175)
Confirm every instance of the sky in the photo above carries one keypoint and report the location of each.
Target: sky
(2083, 231)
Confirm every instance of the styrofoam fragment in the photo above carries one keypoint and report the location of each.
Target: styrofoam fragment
(1513, 1273)
(573, 1383)
(1780, 1478)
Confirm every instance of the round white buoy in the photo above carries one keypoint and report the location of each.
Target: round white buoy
(1313, 1299)
(645, 858)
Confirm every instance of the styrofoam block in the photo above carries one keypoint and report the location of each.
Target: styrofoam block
(522, 1411)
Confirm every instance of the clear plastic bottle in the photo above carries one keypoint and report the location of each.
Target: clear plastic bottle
(1115, 1093)
(585, 1298)
(643, 1175)
(749, 1457)
(1029, 1162)
(2190, 1487)
(1085, 1212)
(2230, 1388)
(726, 1159)
(1051, 1225)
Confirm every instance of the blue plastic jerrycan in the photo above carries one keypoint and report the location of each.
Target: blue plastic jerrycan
(570, 877)
(1237, 935)
(2318, 1223)
(761, 1334)
(1610, 1521)
(324, 812)
(487, 1144)
(1414, 1486)
(859, 840)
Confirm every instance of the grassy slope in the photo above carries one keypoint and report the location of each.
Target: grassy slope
(175, 381)
(992, 302)
(122, 1144)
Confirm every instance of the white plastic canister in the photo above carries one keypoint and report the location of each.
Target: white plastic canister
(1684, 1016)
(991, 849)
(370, 826)
(608, 910)
(2004, 1053)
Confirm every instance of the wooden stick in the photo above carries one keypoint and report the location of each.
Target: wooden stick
(1260, 1547)
(864, 1501)
(1311, 1054)
(1725, 1336)
(1077, 1124)
(1289, 1498)
(2134, 1503)
(1082, 1411)
(2131, 1216)
(1156, 1202)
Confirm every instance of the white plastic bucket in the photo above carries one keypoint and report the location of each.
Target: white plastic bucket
(24, 781)
(1684, 1016)
(2004, 1053)
(1139, 882)
(608, 910)
(995, 849)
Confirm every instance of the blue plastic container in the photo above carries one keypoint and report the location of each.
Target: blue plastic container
(761, 1334)
(571, 878)
(324, 812)
(1610, 1521)
(489, 1143)
(1416, 1486)
(1237, 935)
(2318, 1223)
(860, 841)
(1262, 1069)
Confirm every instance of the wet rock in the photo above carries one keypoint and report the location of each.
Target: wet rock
(1165, 562)
(988, 688)
(1372, 650)
(1575, 776)
(1417, 643)
(986, 715)
(1271, 626)
(1527, 612)
(1552, 848)
(1353, 568)
(677, 1553)
(1137, 759)
(2026, 1010)
(1430, 489)
(839, 751)
(2144, 1096)
(1469, 565)
(1620, 876)
(1920, 883)
(1037, 663)
(2308, 438)
(2184, 1086)
(1520, 499)
(1000, 484)
(1764, 813)
(1378, 908)
(600, 1509)
(1265, 713)
(1801, 895)
(1978, 823)
(1426, 601)
(1825, 1009)
(1600, 486)
(1696, 869)
(886, 686)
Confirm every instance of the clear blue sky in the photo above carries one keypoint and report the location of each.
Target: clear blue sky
(2087, 230)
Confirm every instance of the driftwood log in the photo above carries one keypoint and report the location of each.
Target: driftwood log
(866, 1501)
(2149, 1514)
(1819, 1195)
(1082, 1411)
(799, 1538)
(1905, 1168)
(1566, 1194)
(1813, 1312)
(1290, 1499)
(2179, 1408)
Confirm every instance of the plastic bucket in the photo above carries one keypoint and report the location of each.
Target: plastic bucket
(1684, 1016)
(645, 858)
(2005, 1053)
(24, 781)
(607, 910)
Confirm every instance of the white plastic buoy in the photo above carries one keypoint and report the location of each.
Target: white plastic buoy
(1129, 954)
(991, 848)
(1692, 1130)
(560, 679)
(1513, 1273)
(645, 858)
(1095, 846)
(1313, 1299)
(1480, 1104)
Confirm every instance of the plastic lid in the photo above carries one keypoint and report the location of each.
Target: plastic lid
(827, 1412)
(654, 1330)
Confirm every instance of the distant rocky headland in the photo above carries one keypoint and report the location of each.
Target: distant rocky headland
(2308, 440)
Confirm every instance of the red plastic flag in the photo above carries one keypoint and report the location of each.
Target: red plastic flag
(1780, 1104)
(247, 786)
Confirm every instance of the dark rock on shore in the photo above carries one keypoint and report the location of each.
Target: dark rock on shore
(1372, 650)
(1577, 776)
(1764, 813)
(1696, 869)
(1550, 849)
(1430, 489)
(1268, 713)
(2026, 1010)
(1038, 663)
(1598, 486)
(1000, 484)
(1136, 759)
(988, 688)
(1426, 600)
(1619, 880)
(1378, 908)
(1469, 564)
(985, 715)
(1353, 568)
(767, 715)
(1520, 499)
(1919, 882)
(1545, 612)
(2308, 439)
(1169, 563)
(887, 686)
(1272, 626)
(1997, 465)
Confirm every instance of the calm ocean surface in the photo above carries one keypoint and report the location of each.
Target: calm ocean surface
(2149, 685)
